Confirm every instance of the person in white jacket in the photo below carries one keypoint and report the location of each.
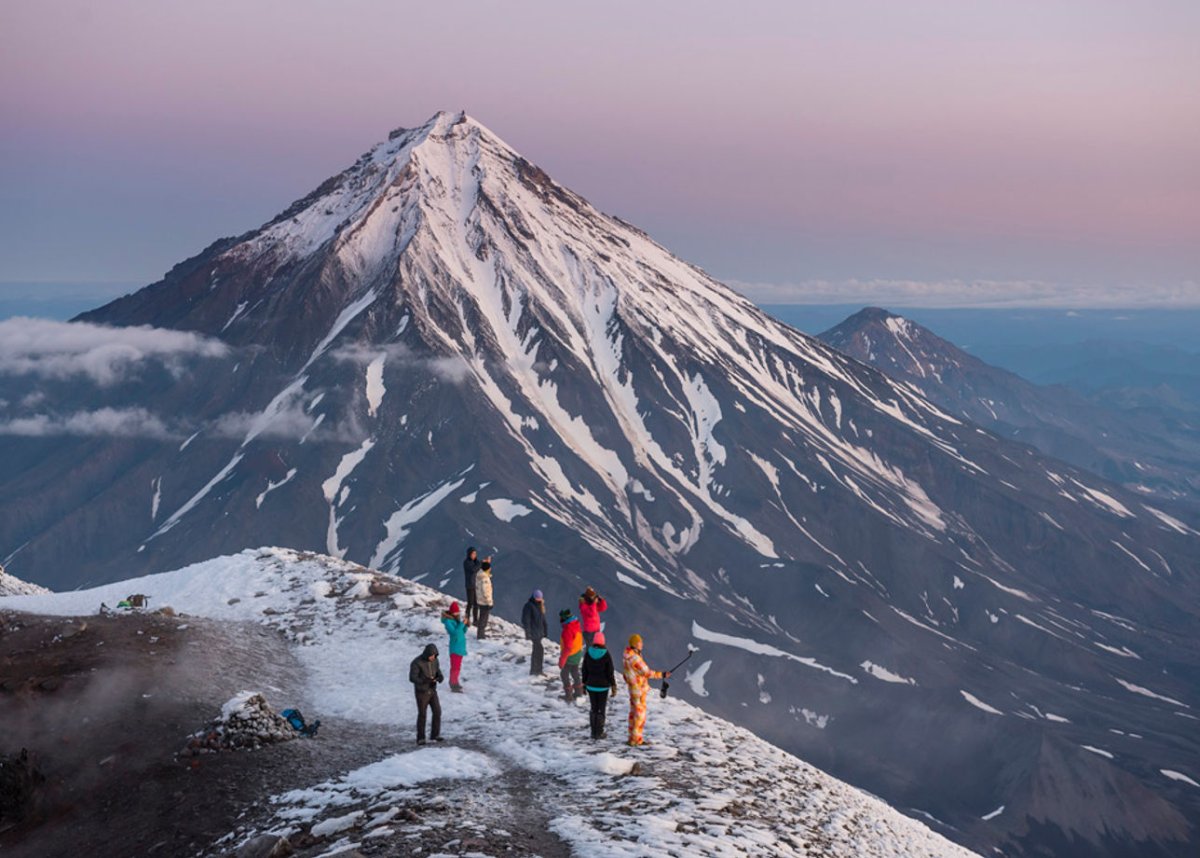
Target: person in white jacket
(483, 598)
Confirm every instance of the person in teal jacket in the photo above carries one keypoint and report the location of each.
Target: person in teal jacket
(456, 627)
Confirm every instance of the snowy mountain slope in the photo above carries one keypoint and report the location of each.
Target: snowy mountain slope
(13, 586)
(441, 346)
(704, 787)
(1153, 455)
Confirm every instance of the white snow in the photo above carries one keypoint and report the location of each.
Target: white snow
(10, 585)
(886, 675)
(1146, 692)
(272, 486)
(399, 523)
(375, 386)
(979, 704)
(1050, 716)
(506, 510)
(701, 633)
(695, 679)
(330, 489)
(1178, 776)
(355, 656)
(156, 499)
(1096, 750)
(625, 579)
(197, 497)
(987, 817)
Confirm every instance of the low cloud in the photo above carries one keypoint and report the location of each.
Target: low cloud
(973, 293)
(103, 422)
(61, 350)
(451, 369)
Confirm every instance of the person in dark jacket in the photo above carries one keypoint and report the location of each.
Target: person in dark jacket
(471, 566)
(533, 620)
(599, 678)
(425, 674)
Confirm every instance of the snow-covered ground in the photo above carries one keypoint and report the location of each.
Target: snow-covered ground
(701, 787)
(10, 585)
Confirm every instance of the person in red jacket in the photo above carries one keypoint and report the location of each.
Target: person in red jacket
(570, 656)
(591, 604)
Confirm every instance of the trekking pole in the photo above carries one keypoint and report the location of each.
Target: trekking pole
(692, 650)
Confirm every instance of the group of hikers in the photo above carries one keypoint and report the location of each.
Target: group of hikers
(585, 664)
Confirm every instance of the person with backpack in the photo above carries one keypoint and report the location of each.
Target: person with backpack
(570, 655)
(425, 674)
(484, 598)
(599, 679)
(471, 566)
(637, 677)
(591, 604)
(533, 620)
(456, 627)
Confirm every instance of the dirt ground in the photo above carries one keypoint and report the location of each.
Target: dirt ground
(104, 703)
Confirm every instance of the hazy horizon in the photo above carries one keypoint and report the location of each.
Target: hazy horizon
(921, 153)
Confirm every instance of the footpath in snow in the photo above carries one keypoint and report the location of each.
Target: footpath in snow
(516, 751)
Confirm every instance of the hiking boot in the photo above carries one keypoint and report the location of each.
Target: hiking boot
(438, 739)
(420, 741)
(457, 689)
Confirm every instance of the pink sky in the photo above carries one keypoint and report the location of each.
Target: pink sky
(910, 141)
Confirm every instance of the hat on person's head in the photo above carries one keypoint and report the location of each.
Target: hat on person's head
(564, 615)
(485, 566)
(635, 641)
(598, 639)
(537, 594)
(590, 592)
(454, 609)
(471, 550)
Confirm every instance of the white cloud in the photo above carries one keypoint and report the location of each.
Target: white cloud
(103, 422)
(451, 369)
(972, 293)
(59, 350)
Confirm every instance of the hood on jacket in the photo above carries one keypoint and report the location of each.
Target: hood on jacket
(430, 649)
(596, 651)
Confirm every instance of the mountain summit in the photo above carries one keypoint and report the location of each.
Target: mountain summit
(441, 346)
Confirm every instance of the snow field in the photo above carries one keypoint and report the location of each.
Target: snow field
(703, 786)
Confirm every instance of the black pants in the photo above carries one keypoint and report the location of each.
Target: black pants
(535, 660)
(599, 701)
(484, 611)
(472, 614)
(572, 684)
(429, 700)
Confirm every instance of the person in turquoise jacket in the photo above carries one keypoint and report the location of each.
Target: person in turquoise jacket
(456, 627)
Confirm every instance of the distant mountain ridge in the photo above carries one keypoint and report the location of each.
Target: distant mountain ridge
(1142, 451)
(442, 346)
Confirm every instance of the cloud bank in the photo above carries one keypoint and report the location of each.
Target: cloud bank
(61, 350)
(102, 423)
(974, 294)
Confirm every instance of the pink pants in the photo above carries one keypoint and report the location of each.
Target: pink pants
(455, 667)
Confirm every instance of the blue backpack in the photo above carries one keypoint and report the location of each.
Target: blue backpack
(294, 718)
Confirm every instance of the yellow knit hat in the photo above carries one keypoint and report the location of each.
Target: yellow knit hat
(635, 641)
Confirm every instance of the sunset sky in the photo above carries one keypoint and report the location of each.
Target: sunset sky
(797, 149)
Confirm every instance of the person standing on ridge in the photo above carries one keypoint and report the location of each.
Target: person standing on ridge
(471, 566)
(591, 604)
(456, 627)
(599, 679)
(570, 656)
(425, 674)
(533, 620)
(484, 598)
(637, 676)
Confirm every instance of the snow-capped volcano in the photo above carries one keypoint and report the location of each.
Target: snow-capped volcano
(441, 346)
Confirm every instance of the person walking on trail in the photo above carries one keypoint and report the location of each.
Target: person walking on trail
(533, 620)
(456, 627)
(591, 604)
(471, 566)
(599, 679)
(425, 674)
(637, 676)
(483, 598)
(570, 655)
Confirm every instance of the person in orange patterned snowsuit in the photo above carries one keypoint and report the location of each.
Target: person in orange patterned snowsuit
(637, 676)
